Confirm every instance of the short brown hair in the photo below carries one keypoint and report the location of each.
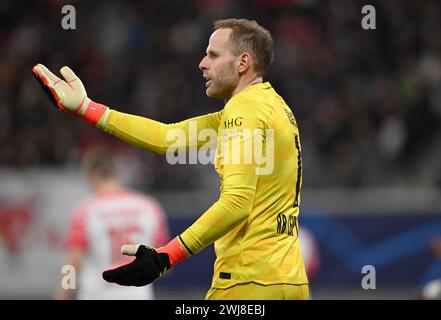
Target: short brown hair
(100, 161)
(248, 35)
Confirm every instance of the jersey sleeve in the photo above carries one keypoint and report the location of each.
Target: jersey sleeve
(159, 137)
(77, 232)
(240, 127)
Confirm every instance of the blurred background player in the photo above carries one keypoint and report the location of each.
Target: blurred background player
(113, 216)
(310, 254)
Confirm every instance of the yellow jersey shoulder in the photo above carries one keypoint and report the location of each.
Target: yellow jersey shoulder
(253, 105)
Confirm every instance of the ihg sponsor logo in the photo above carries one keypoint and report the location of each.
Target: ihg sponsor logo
(237, 146)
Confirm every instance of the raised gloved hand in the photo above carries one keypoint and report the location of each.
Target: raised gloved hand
(69, 94)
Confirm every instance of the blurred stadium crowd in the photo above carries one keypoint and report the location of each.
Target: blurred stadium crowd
(368, 102)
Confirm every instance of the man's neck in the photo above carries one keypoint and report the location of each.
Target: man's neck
(108, 187)
(244, 83)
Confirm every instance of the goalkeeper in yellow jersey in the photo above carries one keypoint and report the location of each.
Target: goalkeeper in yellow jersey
(254, 223)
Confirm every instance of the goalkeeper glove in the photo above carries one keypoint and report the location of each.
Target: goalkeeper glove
(149, 264)
(69, 95)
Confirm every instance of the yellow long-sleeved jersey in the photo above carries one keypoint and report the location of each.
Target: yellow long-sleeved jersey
(254, 223)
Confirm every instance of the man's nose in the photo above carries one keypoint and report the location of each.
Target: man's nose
(203, 64)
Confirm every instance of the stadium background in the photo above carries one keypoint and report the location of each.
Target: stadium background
(368, 104)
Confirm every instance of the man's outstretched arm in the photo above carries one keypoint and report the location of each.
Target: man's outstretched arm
(69, 95)
(156, 136)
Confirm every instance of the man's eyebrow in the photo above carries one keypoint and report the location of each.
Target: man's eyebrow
(213, 52)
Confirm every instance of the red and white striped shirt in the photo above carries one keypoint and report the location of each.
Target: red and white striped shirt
(101, 225)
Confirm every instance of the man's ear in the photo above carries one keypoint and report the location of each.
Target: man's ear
(244, 62)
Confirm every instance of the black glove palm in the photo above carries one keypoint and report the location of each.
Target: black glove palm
(146, 268)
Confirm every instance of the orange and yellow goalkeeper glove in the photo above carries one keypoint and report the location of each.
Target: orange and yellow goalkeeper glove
(69, 94)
